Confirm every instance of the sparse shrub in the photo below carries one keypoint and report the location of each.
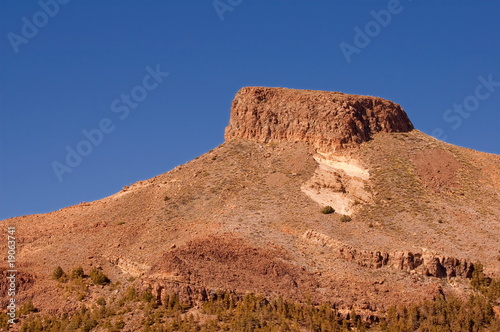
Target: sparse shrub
(119, 325)
(479, 279)
(89, 324)
(130, 295)
(101, 301)
(327, 210)
(489, 287)
(4, 322)
(59, 274)
(77, 273)
(345, 218)
(114, 286)
(26, 308)
(147, 296)
(166, 198)
(172, 302)
(98, 277)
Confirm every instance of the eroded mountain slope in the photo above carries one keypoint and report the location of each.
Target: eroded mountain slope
(413, 215)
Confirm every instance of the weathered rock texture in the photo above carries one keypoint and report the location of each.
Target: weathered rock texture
(328, 120)
(23, 282)
(229, 263)
(425, 263)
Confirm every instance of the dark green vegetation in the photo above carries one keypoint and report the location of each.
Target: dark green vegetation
(98, 277)
(77, 273)
(487, 286)
(58, 274)
(327, 210)
(76, 284)
(451, 314)
(443, 314)
(227, 311)
(345, 218)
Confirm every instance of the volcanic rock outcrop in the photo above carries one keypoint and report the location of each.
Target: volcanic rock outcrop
(328, 120)
(425, 263)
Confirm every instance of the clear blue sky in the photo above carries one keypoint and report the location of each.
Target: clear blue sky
(69, 69)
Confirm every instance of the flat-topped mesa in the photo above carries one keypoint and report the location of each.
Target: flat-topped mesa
(328, 120)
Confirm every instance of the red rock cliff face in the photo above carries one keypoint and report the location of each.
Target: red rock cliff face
(328, 120)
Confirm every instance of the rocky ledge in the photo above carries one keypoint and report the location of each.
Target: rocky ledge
(426, 263)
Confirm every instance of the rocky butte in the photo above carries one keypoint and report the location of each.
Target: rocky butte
(412, 216)
(329, 121)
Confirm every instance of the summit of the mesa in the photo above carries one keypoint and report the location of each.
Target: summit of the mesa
(328, 120)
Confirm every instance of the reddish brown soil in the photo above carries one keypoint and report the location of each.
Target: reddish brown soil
(437, 169)
(235, 218)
